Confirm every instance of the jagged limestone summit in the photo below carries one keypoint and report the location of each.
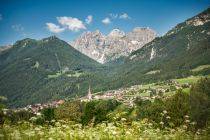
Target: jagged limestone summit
(117, 43)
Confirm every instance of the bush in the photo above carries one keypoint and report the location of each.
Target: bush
(97, 111)
(150, 110)
(49, 114)
(69, 111)
(14, 117)
(200, 102)
(88, 112)
(177, 107)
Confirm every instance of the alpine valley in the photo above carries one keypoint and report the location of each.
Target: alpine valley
(37, 71)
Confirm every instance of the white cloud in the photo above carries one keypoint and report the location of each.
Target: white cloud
(89, 19)
(124, 16)
(1, 17)
(72, 24)
(113, 16)
(18, 28)
(54, 28)
(106, 21)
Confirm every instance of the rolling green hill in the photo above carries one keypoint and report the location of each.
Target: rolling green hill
(37, 71)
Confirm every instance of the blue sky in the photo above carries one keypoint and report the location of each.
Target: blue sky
(67, 19)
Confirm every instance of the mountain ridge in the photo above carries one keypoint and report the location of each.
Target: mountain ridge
(37, 71)
(117, 43)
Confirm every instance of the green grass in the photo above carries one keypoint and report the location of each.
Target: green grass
(138, 95)
(200, 68)
(186, 90)
(191, 79)
(65, 70)
(153, 86)
(153, 72)
(76, 74)
(55, 75)
(169, 93)
(146, 86)
(188, 79)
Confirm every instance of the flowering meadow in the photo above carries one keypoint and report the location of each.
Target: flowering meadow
(66, 130)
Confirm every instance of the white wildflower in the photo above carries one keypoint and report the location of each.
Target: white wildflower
(184, 126)
(64, 126)
(41, 133)
(198, 133)
(123, 119)
(128, 133)
(162, 123)
(37, 129)
(193, 123)
(38, 114)
(114, 132)
(57, 124)
(187, 121)
(52, 121)
(168, 117)
(164, 111)
(33, 119)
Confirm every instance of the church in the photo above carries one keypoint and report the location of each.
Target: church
(88, 97)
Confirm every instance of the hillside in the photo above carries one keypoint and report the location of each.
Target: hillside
(174, 55)
(40, 70)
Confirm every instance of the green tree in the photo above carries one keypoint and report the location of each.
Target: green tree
(49, 114)
(14, 117)
(102, 107)
(88, 112)
(2, 113)
(151, 110)
(69, 111)
(97, 111)
(177, 107)
(200, 102)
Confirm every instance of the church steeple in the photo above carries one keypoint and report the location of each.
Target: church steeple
(89, 94)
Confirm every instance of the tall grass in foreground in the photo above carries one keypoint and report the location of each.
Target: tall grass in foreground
(67, 130)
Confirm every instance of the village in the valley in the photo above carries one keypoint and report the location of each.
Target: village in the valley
(124, 95)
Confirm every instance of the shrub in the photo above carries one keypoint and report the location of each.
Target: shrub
(97, 111)
(49, 114)
(200, 102)
(177, 107)
(150, 110)
(69, 111)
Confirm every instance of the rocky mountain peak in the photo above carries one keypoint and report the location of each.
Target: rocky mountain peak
(116, 33)
(117, 43)
(3, 48)
(200, 19)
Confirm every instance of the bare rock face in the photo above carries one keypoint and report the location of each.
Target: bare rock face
(116, 33)
(3, 48)
(199, 20)
(117, 43)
